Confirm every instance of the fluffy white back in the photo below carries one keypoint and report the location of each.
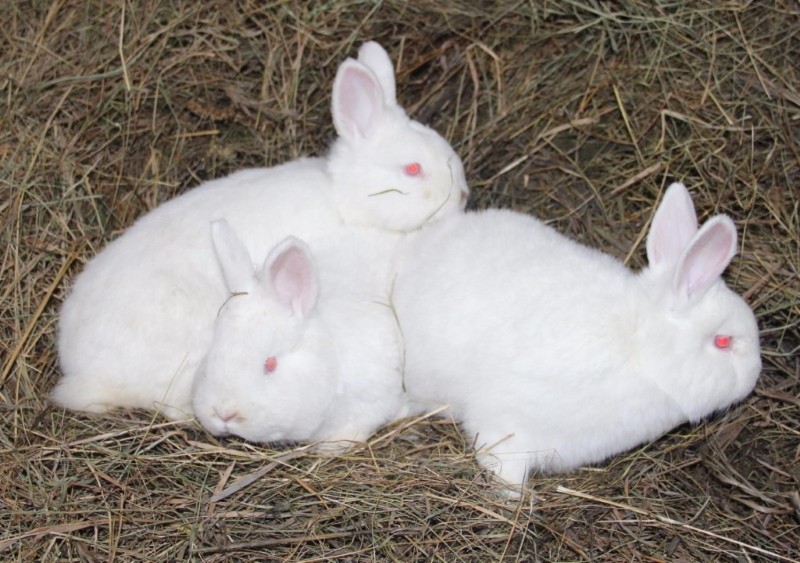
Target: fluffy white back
(355, 306)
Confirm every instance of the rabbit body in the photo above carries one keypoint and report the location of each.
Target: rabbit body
(139, 318)
(552, 354)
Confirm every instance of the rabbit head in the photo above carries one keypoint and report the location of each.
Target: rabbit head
(703, 340)
(387, 170)
(271, 369)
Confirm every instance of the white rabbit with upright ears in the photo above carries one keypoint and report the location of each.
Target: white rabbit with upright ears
(285, 365)
(136, 324)
(407, 181)
(552, 354)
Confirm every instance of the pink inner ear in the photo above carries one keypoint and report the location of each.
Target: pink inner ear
(292, 278)
(707, 256)
(359, 101)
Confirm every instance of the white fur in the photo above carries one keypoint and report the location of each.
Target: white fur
(376, 142)
(338, 361)
(136, 325)
(554, 355)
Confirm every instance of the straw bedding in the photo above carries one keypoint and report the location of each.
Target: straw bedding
(579, 112)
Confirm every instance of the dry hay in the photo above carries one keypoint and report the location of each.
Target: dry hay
(578, 111)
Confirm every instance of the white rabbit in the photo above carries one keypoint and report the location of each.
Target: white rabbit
(406, 173)
(139, 318)
(552, 354)
(286, 366)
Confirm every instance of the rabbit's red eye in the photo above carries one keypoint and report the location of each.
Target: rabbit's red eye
(270, 365)
(413, 169)
(723, 341)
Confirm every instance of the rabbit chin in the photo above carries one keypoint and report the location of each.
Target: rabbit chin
(255, 431)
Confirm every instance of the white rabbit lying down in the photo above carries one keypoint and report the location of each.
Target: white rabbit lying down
(137, 323)
(287, 364)
(552, 354)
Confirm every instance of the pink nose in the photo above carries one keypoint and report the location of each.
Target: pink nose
(225, 414)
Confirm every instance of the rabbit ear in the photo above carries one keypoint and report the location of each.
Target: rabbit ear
(358, 100)
(234, 260)
(706, 257)
(289, 271)
(673, 226)
(373, 56)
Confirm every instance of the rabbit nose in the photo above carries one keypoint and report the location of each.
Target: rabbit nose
(225, 414)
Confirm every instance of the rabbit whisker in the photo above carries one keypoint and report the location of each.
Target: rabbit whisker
(388, 191)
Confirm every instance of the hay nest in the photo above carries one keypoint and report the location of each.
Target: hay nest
(578, 112)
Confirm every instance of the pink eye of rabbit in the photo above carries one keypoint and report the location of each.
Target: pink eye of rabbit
(413, 169)
(271, 364)
(723, 341)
